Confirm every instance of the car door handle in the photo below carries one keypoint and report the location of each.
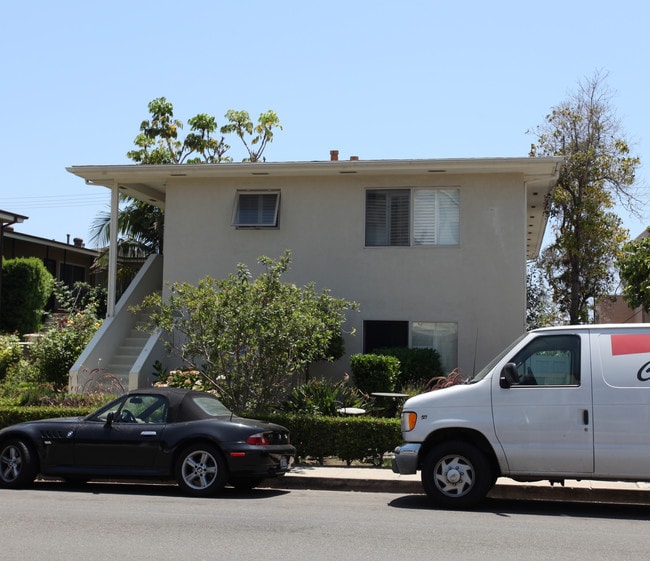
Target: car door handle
(148, 433)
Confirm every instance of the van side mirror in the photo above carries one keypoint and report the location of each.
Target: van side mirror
(509, 376)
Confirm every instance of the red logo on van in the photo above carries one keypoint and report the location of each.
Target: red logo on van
(630, 344)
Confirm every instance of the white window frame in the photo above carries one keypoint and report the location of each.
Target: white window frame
(433, 220)
(262, 220)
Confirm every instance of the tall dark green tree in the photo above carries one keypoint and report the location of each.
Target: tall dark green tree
(598, 171)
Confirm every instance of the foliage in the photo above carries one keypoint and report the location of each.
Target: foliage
(158, 141)
(82, 296)
(416, 365)
(248, 337)
(634, 270)
(54, 353)
(322, 397)
(26, 287)
(375, 373)
(140, 230)
(349, 438)
(10, 353)
(440, 382)
(597, 170)
(541, 311)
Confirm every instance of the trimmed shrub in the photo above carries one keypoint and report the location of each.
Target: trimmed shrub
(417, 366)
(26, 287)
(374, 373)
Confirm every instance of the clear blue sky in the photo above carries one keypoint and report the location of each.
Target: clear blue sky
(376, 79)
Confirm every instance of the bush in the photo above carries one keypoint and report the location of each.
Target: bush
(26, 287)
(56, 351)
(347, 438)
(374, 373)
(322, 397)
(10, 353)
(417, 366)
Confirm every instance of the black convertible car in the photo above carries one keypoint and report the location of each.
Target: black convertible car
(158, 433)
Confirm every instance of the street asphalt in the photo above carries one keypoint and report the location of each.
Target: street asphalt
(373, 479)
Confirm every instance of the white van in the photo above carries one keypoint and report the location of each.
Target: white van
(559, 403)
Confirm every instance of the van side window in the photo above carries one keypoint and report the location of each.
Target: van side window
(549, 360)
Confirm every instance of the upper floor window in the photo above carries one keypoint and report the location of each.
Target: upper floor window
(408, 217)
(256, 209)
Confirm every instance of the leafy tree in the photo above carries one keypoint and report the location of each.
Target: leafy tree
(248, 338)
(158, 141)
(541, 311)
(597, 170)
(634, 271)
(141, 226)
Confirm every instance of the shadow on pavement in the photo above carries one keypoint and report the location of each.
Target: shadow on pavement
(507, 507)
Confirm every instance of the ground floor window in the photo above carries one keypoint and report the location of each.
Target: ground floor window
(441, 336)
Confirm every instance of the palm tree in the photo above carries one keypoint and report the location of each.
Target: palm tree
(140, 234)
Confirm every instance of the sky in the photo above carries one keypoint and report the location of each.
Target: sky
(370, 78)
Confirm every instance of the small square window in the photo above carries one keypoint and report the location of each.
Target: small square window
(256, 209)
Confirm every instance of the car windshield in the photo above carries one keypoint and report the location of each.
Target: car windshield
(490, 365)
(212, 406)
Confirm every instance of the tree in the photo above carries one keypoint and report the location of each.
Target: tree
(248, 338)
(140, 226)
(634, 271)
(598, 170)
(541, 311)
(158, 141)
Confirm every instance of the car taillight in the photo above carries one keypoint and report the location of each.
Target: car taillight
(259, 439)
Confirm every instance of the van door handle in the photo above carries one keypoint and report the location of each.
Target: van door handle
(585, 417)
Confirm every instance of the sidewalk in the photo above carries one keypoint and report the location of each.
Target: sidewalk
(378, 480)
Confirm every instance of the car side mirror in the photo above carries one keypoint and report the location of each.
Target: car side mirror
(109, 420)
(509, 376)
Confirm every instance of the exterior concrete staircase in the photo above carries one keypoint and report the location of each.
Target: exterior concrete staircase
(127, 352)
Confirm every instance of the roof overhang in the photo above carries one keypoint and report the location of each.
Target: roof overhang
(149, 183)
(11, 217)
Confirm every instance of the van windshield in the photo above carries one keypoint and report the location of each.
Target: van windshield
(490, 365)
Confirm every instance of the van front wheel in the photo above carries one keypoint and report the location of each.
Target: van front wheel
(456, 474)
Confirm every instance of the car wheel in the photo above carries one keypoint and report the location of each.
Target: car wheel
(201, 470)
(18, 464)
(245, 483)
(456, 474)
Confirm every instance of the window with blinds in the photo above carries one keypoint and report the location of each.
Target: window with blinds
(256, 209)
(434, 214)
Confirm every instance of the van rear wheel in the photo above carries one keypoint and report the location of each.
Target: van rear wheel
(456, 474)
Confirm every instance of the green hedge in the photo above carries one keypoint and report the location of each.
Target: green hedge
(19, 414)
(348, 438)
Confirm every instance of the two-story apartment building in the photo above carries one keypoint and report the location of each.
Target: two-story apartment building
(434, 251)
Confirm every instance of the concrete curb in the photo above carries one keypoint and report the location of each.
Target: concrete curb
(506, 491)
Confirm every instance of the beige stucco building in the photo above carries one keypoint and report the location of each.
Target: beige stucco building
(434, 251)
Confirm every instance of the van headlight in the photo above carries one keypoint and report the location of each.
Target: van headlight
(409, 418)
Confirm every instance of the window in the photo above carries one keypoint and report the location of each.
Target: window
(441, 336)
(256, 209)
(434, 214)
(549, 360)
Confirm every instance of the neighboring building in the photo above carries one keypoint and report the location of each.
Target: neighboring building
(434, 251)
(66, 262)
(614, 309)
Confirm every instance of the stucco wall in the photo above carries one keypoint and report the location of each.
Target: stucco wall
(480, 284)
